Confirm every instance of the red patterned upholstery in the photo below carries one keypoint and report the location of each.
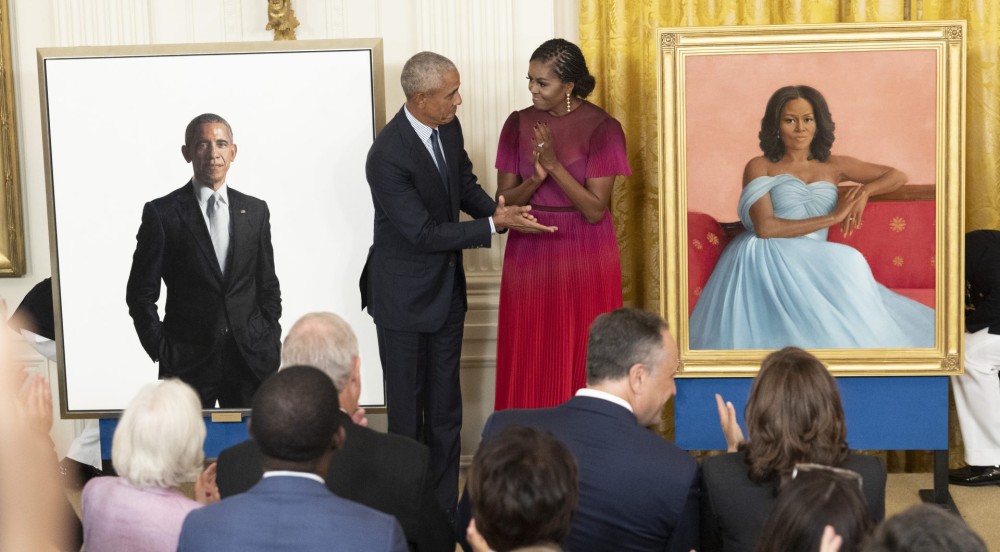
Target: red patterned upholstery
(897, 238)
(706, 240)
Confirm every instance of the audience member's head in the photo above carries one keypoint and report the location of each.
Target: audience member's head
(793, 415)
(158, 441)
(816, 497)
(924, 528)
(523, 489)
(325, 341)
(631, 353)
(295, 421)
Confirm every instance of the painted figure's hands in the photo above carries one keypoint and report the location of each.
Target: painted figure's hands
(849, 209)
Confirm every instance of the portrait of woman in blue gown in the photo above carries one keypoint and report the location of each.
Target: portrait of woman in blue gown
(779, 282)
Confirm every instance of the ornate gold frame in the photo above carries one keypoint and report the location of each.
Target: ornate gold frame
(947, 40)
(12, 262)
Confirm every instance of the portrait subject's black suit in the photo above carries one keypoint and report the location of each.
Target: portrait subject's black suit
(213, 325)
(386, 472)
(413, 284)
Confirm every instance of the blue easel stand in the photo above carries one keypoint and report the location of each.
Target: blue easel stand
(219, 436)
(883, 413)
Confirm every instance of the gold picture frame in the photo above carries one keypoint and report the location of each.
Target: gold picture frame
(737, 68)
(12, 260)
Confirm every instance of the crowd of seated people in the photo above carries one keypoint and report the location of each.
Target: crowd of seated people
(312, 477)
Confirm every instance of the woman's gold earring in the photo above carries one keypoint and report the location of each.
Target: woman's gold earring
(569, 106)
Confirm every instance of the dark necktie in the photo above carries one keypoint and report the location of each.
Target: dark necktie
(439, 157)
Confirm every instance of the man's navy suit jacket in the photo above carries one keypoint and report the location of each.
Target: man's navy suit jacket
(415, 261)
(638, 491)
(173, 244)
(289, 513)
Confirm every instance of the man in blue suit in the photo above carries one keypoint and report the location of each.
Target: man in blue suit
(638, 491)
(297, 427)
(413, 283)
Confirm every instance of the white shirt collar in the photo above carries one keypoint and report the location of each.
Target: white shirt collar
(597, 394)
(286, 473)
(202, 193)
(423, 131)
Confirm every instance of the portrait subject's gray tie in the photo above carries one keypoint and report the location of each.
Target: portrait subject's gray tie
(439, 157)
(218, 228)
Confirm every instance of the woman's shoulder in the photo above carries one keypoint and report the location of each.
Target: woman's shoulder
(755, 168)
(724, 466)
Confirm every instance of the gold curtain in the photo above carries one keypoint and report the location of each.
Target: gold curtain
(616, 37)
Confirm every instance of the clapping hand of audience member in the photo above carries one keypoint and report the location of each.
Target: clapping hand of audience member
(476, 540)
(519, 218)
(36, 399)
(206, 491)
(359, 417)
(831, 541)
(30, 493)
(730, 427)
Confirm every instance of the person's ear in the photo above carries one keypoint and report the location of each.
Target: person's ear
(185, 152)
(637, 376)
(339, 436)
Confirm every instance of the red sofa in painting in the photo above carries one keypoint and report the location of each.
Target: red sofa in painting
(897, 238)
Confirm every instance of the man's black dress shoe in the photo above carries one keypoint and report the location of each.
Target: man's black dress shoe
(974, 476)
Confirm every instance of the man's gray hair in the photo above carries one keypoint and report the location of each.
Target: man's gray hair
(322, 340)
(424, 72)
(622, 338)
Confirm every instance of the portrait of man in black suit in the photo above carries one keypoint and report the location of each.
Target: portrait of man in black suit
(211, 246)
(413, 283)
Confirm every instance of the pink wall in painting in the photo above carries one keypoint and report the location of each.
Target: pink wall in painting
(883, 103)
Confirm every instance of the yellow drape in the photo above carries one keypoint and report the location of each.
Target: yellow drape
(616, 37)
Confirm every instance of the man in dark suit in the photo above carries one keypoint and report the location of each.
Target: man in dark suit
(413, 282)
(211, 246)
(638, 491)
(977, 392)
(298, 429)
(386, 472)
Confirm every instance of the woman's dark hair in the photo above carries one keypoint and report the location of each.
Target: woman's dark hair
(568, 63)
(810, 502)
(770, 124)
(523, 489)
(793, 415)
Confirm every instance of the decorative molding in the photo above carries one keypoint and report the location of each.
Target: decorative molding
(101, 22)
(336, 18)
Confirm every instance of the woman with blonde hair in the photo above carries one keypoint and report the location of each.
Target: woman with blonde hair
(793, 416)
(157, 447)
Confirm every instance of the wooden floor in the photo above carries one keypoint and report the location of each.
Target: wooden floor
(979, 506)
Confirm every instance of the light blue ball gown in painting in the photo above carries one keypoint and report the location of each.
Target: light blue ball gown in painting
(768, 293)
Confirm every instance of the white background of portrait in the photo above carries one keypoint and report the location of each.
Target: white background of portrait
(303, 122)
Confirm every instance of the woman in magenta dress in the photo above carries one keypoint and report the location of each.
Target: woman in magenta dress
(561, 156)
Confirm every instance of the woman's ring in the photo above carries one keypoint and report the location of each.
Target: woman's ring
(540, 144)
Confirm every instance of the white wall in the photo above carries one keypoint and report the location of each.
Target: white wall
(489, 40)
